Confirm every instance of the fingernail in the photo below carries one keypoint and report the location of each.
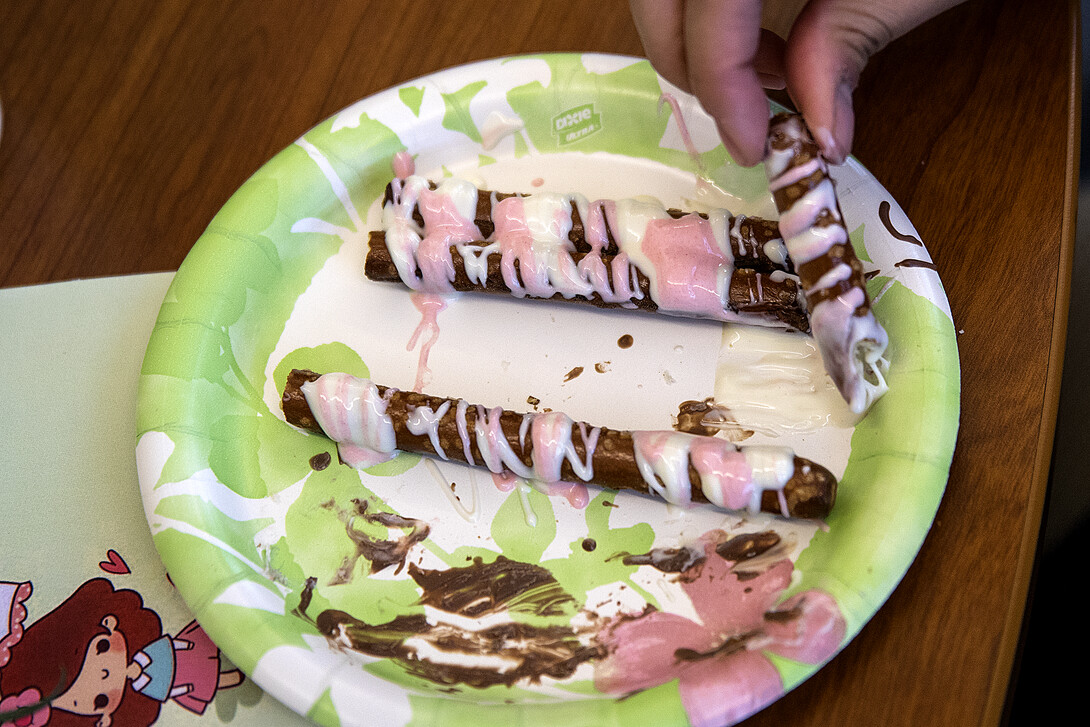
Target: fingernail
(829, 147)
(843, 121)
(771, 81)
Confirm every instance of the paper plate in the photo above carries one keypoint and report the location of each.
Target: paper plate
(479, 602)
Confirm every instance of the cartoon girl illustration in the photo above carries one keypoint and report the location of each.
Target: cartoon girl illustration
(101, 658)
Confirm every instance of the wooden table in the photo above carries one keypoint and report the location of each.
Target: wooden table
(126, 125)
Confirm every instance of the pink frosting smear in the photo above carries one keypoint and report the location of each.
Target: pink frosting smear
(687, 261)
(404, 165)
(720, 661)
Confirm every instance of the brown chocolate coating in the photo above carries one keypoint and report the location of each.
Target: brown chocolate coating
(810, 493)
(778, 140)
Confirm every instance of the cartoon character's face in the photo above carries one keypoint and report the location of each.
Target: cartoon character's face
(100, 685)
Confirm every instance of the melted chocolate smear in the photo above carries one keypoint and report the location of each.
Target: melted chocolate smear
(883, 215)
(690, 417)
(913, 263)
(747, 546)
(786, 616)
(320, 461)
(573, 373)
(729, 646)
(304, 599)
(706, 418)
(624, 341)
(752, 553)
(382, 640)
(668, 560)
(506, 653)
(530, 652)
(380, 553)
(482, 588)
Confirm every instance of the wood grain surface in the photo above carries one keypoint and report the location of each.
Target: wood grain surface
(128, 124)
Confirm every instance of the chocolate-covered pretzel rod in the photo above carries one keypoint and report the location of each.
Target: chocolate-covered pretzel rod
(849, 337)
(371, 423)
(625, 253)
(752, 294)
(755, 242)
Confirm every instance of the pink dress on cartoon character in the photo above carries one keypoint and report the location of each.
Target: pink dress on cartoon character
(184, 668)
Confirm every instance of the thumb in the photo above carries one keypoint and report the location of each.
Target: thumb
(830, 44)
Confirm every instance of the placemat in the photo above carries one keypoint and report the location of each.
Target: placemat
(76, 556)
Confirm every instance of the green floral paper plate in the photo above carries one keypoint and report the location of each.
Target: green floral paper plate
(418, 592)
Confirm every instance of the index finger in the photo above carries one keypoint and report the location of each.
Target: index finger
(721, 41)
(659, 25)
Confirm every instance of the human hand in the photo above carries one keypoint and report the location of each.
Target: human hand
(718, 51)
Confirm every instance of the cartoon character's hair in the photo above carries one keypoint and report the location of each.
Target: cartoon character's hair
(50, 654)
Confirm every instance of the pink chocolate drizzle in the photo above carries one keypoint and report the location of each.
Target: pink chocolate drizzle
(430, 306)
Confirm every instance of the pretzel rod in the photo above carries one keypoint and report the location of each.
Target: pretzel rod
(849, 337)
(753, 295)
(553, 245)
(371, 423)
(755, 242)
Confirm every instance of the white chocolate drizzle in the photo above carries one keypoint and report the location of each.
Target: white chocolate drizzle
(469, 514)
(425, 420)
